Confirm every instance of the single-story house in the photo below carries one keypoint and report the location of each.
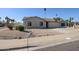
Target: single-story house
(38, 22)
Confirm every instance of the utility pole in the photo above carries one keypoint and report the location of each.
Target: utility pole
(45, 12)
(56, 15)
(45, 17)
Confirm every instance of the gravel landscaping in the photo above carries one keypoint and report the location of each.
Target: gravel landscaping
(11, 34)
(15, 34)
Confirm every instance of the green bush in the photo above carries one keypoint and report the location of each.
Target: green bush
(20, 28)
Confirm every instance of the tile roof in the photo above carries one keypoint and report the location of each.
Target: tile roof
(45, 19)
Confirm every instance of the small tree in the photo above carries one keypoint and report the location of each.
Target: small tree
(9, 23)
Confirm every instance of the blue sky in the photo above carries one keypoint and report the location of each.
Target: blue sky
(19, 13)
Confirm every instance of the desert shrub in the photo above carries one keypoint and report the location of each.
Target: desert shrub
(10, 26)
(20, 28)
(17, 28)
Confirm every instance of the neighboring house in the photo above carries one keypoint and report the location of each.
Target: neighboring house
(37, 22)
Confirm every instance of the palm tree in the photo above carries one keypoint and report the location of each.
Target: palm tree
(67, 22)
(9, 23)
(0, 18)
(70, 21)
(7, 20)
(12, 22)
(58, 19)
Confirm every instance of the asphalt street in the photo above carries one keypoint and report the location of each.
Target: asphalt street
(71, 46)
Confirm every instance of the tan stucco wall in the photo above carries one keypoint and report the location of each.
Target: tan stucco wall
(35, 23)
(54, 24)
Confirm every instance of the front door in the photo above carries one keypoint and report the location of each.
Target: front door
(46, 24)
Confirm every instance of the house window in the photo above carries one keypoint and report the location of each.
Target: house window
(41, 23)
(29, 23)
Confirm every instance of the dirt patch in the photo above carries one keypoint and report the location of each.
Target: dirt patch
(11, 34)
(15, 34)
